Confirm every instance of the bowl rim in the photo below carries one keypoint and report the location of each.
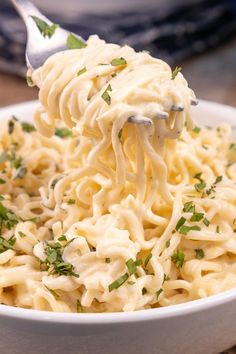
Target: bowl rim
(160, 313)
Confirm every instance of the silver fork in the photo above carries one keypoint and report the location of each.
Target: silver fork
(39, 48)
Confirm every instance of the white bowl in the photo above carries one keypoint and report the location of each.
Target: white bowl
(204, 326)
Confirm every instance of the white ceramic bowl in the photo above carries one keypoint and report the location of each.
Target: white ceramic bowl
(205, 326)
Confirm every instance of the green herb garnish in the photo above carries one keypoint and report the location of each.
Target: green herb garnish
(44, 28)
(62, 238)
(63, 132)
(107, 260)
(27, 127)
(105, 96)
(7, 244)
(29, 81)
(185, 229)
(118, 282)
(11, 126)
(197, 217)
(53, 292)
(79, 308)
(178, 258)
(180, 223)
(131, 265)
(159, 292)
(2, 181)
(120, 135)
(71, 201)
(189, 207)
(21, 234)
(82, 71)
(149, 256)
(175, 72)
(206, 222)
(8, 219)
(167, 243)
(196, 130)
(118, 61)
(74, 42)
(199, 253)
(54, 261)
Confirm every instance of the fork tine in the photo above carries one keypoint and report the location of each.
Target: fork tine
(177, 107)
(140, 120)
(161, 115)
(194, 102)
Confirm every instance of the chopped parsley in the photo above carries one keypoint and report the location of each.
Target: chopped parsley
(197, 217)
(118, 282)
(105, 96)
(74, 42)
(54, 261)
(29, 81)
(44, 28)
(132, 265)
(167, 243)
(2, 181)
(62, 238)
(82, 71)
(232, 146)
(79, 308)
(189, 207)
(149, 256)
(180, 223)
(159, 292)
(7, 244)
(63, 132)
(8, 218)
(14, 161)
(218, 229)
(21, 234)
(206, 222)
(144, 291)
(107, 260)
(218, 179)
(118, 61)
(175, 72)
(201, 185)
(178, 258)
(53, 292)
(120, 135)
(199, 253)
(11, 125)
(185, 229)
(27, 127)
(196, 129)
(71, 201)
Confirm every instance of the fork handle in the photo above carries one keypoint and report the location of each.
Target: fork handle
(26, 9)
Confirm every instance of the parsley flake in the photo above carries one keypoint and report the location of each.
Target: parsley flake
(196, 129)
(159, 292)
(118, 282)
(199, 253)
(82, 71)
(105, 96)
(178, 258)
(118, 61)
(2, 181)
(74, 42)
(27, 127)
(44, 28)
(63, 132)
(175, 72)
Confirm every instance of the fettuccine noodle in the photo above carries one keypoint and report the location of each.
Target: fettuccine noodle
(115, 216)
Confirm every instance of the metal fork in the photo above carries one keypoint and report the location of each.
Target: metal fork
(39, 48)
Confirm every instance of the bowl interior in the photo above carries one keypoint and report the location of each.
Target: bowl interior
(206, 113)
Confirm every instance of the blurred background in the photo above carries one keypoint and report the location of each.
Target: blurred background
(198, 35)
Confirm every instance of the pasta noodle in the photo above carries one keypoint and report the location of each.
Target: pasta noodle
(98, 214)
